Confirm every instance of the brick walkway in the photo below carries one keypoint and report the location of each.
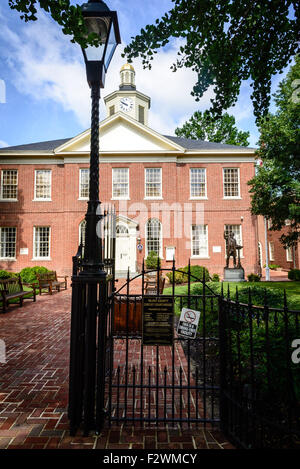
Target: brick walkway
(34, 389)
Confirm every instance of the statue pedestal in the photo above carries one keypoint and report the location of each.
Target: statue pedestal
(236, 274)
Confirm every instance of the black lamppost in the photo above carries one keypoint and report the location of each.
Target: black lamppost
(104, 23)
(89, 280)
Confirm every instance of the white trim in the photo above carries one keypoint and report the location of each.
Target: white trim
(42, 199)
(159, 197)
(195, 256)
(39, 258)
(239, 185)
(82, 198)
(8, 259)
(126, 197)
(1, 187)
(205, 186)
(161, 248)
(289, 254)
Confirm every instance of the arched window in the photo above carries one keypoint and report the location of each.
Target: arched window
(82, 228)
(154, 236)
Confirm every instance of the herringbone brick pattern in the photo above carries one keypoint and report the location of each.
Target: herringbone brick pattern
(34, 389)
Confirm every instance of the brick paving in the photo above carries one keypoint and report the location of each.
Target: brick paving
(34, 389)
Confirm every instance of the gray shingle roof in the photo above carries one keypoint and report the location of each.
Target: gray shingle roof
(39, 146)
(190, 144)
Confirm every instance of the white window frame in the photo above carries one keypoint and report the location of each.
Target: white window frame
(193, 197)
(160, 238)
(232, 197)
(271, 251)
(41, 258)
(289, 254)
(156, 197)
(199, 256)
(12, 258)
(14, 199)
(123, 197)
(42, 199)
(80, 183)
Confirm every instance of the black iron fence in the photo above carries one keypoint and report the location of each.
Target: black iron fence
(260, 384)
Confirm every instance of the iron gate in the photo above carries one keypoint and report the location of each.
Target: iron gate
(176, 383)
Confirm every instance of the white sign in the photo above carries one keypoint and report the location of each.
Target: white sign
(216, 248)
(170, 253)
(24, 251)
(188, 323)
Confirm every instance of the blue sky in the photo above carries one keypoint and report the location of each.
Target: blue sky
(46, 93)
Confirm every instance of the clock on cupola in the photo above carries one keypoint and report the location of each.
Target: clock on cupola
(127, 99)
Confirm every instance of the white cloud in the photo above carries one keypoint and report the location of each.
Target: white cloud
(46, 65)
(3, 144)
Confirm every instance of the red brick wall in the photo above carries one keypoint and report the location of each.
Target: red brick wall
(65, 212)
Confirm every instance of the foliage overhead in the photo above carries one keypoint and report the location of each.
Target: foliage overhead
(204, 126)
(66, 15)
(276, 187)
(226, 42)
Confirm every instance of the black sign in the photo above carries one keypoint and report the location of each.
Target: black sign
(158, 314)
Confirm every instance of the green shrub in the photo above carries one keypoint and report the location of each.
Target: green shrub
(294, 274)
(253, 278)
(273, 266)
(151, 260)
(5, 274)
(28, 274)
(178, 276)
(274, 297)
(197, 272)
(215, 278)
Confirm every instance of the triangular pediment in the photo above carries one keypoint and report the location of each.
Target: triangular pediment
(121, 134)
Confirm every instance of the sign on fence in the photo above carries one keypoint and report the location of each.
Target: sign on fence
(188, 323)
(158, 313)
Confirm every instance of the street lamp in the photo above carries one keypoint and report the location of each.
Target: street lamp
(89, 290)
(102, 22)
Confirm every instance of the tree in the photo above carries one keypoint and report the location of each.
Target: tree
(226, 42)
(66, 15)
(276, 187)
(214, 129)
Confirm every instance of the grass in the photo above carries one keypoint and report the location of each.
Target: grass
(292, 289)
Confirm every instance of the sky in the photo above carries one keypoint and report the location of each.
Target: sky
(44, 94)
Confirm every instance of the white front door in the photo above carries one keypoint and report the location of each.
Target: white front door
(125, 249)
(122, 253)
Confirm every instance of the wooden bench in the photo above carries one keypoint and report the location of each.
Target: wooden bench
(50, 280)
(151, 284)
(12, 288)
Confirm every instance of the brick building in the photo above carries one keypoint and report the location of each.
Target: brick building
(172, 195)
(286, 259)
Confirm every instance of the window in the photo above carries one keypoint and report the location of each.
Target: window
(120, 183)
(154, 236)
(142, 114)
(8, 243)
(153, 185)
(122, 230)
(237, 231)
(9, 184)
(199, 241)
(84, 183)
(271, 250)
(41, 242)
(42, 186)
(289, 254)
(197, 182)
(231, 182)
(111, 110)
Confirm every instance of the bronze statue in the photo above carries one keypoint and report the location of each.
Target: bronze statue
(231, 249)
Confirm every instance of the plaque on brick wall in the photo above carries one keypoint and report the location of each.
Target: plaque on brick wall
(158, 317)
